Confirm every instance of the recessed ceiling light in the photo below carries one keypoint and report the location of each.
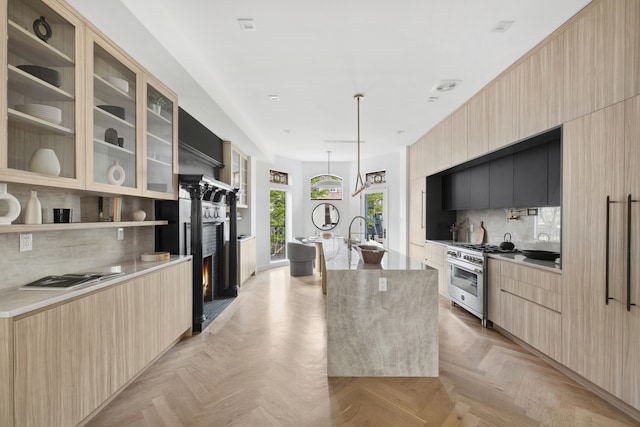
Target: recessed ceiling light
(502, 26)
(400, 132)
(341, 141)
(432, 99)
(446, 85)
(274, 97)
(287, 131)
(246, 24)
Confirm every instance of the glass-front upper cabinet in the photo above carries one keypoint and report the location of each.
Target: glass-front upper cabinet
(161, 172)
(112, 122)
(43, 103)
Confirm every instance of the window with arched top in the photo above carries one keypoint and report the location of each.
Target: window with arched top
(322, 188)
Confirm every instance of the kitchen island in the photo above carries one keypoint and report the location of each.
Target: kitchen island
(382, 319)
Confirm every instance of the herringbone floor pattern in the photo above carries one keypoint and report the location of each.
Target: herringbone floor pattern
(262, 362)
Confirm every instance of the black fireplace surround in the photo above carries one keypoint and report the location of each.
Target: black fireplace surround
(184, 235)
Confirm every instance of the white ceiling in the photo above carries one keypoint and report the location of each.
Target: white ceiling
(316, 55)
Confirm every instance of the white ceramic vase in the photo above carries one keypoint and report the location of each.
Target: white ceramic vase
(12, 203)
(115, 174)
(33, 209)
(139, 215)
(45, 161)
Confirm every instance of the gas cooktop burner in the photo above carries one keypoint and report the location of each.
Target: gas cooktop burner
(485, 248)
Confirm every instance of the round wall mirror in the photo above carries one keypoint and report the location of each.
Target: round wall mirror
(325, 216)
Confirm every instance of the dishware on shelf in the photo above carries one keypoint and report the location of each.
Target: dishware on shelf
(42, 29)
(139, 215)
(116, 174)
(120, 141)
(12, 203)
(33, 209)
(43, 112)
(45, 161)
(51, 76)
(120, 84)
(113, 109)
(62, 215)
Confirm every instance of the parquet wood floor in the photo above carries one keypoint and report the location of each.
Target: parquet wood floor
(262, 362)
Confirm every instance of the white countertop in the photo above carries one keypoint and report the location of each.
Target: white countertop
(16, 301)
(528, 262)
(338, 257)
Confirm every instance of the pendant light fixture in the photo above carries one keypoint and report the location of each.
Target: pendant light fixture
(360, 184)
(328, 183)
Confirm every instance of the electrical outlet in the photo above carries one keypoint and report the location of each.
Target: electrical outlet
(26, 242)
(120, 234)
(382, 284)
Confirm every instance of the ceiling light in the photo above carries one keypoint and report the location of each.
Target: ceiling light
(400, 132)
(502, 26)
(274, 97)
(432, 99)
(246, 24)
(342, 141)
(287, 131)
(446, 85)
(328, 183)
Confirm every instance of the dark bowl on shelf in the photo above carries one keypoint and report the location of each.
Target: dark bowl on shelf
(541, 255)
(43, 73)
(113, 109)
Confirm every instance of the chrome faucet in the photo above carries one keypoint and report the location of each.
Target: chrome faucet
(365, 228)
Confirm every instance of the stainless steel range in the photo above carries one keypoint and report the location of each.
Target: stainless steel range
(467, 276)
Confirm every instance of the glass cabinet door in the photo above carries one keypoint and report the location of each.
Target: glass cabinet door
(161, 156)
(41, 144)
(113, 120)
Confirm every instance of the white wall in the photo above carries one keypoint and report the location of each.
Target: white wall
(299, 175)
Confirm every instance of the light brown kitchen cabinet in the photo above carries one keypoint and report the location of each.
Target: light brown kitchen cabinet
(440, 145)
(31, 124)
(632, 47)
(594, 59)
(417, 205)
(160, 148)
(114, 124)
(70, 358)
(436, 256)
(477, 125)
(459, 136)
(247, 259)
(599, 333)
(503, 97)
(528, 304)
(236, 172)
(540, 81)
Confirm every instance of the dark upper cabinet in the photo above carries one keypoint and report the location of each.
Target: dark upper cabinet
(501, 182)
(554, 177)
(479, 186)
(530, 182)
(438, 217)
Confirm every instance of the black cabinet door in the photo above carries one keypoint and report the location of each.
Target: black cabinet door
(501, 183)
(554, 184)
(530, 181)
(479, 187)
(460, 189)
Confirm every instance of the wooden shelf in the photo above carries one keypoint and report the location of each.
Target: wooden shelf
(32, 49)
(109, 93)
(158, 162)
(105, 119)
(30, 228)
(110, 148)
(158, 139)
(34, 87)
(158, 118)
(43, 125)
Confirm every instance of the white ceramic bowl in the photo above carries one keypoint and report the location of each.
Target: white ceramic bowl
(119, 83)
(44, 112)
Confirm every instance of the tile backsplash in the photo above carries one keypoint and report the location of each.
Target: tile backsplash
(69, 251)
(541, 231)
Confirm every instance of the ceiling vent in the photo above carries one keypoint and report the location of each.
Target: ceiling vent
(446, 85)
(502, 26)
(247, 24)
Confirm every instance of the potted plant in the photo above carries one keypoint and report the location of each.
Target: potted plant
(156, 101)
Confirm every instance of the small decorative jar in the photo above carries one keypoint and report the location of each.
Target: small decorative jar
(33, 209)
(139, 215)
(13, 204)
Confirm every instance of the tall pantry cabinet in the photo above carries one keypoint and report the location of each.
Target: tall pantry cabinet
(601, 244)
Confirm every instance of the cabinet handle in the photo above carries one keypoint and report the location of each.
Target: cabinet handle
(629, 202)
(422, 209)
(606, 252)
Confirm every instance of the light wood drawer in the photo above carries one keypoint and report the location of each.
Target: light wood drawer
(532, 284)
(532, 323)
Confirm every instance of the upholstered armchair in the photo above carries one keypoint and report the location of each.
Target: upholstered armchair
(301, 258)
